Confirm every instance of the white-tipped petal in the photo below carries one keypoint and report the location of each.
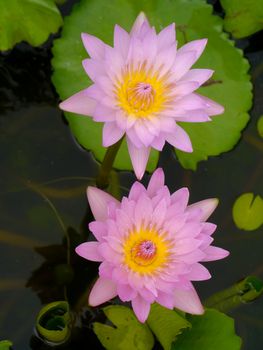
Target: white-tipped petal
(139, 158)
(207, 207)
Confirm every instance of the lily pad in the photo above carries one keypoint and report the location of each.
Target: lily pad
(166, 325)
(213, 330)
(129, 333)
(260, 126)
(29, 20)
(243, 17)
(5, 344)
(230, 85)
(248, 212)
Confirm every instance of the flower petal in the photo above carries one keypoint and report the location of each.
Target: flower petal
(166, 37)
(198, 75)
(215, 253)
(126, 292)
(198, 273)
(207, 207)
(102, 291)
(89, 251)
(156, 182)
(121, 40)
(111, 134)
(93, 68)
(79, 103)
(94, 46)
(197, 46)
(188, 301)
(98, 201)
(138, 24)
(139, 158)
(141, 308)
(180, 139)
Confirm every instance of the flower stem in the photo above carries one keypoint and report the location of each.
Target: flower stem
(106, 165)
(247, 290)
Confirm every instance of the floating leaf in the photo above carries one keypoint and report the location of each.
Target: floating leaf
(243, 17)
(248, 212)
(230, 85)
(53, 322)
(211, 331)
(260, 126)
(129, 333)
(5, 344)
(166, 324)
(29, 20)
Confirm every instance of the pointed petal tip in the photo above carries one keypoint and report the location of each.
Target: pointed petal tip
(102, 291)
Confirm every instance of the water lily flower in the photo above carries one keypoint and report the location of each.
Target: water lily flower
(143, 86)
(150, 245)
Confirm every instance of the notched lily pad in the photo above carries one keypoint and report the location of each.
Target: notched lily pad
(166, 324)
(260, 126)
(243, 17)
(128, 332)
(29, 20)
(211, 331)
(248, 212)
(5, 344)
(229, 86)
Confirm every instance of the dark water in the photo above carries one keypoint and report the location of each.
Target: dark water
(44, 172)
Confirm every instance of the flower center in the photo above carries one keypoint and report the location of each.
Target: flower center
(140, 96)
(144, 252)
(140, 93)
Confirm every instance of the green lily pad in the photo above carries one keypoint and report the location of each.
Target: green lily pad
(211, 331)
(260, 126)
(243, 17)
(248, 212)
(230, 85)
(53, 322)
(5, 344)
(166, 325)
(128, 333)
(29, 20)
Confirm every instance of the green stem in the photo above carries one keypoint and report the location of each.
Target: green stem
(106, 165)
(247, 290)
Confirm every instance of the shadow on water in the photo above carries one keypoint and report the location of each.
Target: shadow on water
(43, 208)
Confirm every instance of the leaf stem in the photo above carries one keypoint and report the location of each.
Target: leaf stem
(106, 165)
(247, 290)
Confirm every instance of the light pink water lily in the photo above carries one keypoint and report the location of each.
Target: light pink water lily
(150, 246)
(142, 87)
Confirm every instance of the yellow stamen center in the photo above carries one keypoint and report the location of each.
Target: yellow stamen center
(145, 251)
(141, 93)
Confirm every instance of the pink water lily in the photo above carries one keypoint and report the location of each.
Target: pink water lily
(151, 246)
(143, 86)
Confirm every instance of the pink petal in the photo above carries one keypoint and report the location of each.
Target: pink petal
(192, 116)
(184, 88)
(139, 158)
(141, 308)
(180, 139)
(198, 273)
(103, 113)
(198, 75)
(79, 103)
(186, 245)
(166, 37)
(121, 40)
(126, 292)
(89, 251)
(143, 210)
(156, 182)
(136, 190)
(183, 62)
(93, 68)
(207, 207)
(197, 46)
(102, 291)
(208, 228)
(188, 301)
(99, 229)
(111, 134)
(94, 46)
(180, 198)
(214, 253)
(98, 201)
(211, 107)
(193, 257)
(158, 143)
(166, 300)
(139, 22)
